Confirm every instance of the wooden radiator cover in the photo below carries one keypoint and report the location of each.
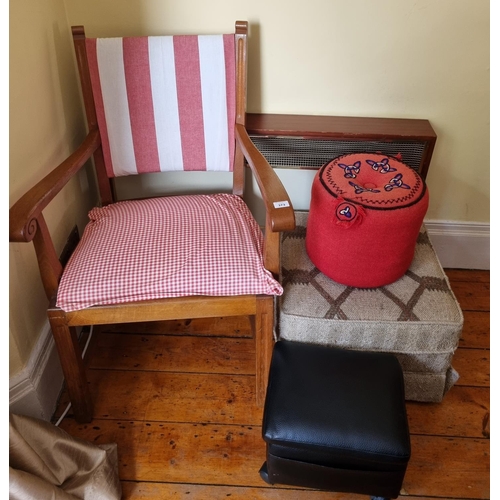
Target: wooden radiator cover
(308, 142)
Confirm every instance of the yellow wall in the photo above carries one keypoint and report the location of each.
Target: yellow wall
(46, 123)
(394, 58)
(391, 58)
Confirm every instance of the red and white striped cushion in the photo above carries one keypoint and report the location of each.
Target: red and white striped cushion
(166, 247)
(165, 102)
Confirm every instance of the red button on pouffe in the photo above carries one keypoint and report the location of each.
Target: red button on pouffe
(365, 215)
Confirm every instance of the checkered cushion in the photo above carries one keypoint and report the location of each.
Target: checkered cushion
(166, 247)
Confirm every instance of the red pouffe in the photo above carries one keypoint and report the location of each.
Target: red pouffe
(365, 216)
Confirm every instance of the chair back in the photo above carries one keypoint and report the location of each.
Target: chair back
(163, 103)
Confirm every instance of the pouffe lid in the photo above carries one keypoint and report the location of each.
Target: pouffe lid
(372, 180)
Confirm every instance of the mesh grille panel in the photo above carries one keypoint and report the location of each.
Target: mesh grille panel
(296, 152)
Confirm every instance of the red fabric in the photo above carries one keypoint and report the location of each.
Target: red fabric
(187, 73)
(365, 215)
(99, 105)
(134, 116)
(140, 103)
(166, 247)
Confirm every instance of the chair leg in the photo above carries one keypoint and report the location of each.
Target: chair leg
(264, 341)
(73, 369)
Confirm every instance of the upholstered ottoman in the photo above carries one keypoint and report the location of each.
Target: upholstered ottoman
(335, 420)
(365, 215)
(417, 317)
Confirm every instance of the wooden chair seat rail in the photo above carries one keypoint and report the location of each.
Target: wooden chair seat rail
(159, 310)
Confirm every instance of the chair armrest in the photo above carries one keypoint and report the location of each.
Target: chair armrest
(23, 214)
(278, 205)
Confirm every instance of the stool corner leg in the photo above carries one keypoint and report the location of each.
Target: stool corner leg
(263, 473)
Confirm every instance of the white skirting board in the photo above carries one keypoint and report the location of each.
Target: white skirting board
(461, 245)
(35, 390)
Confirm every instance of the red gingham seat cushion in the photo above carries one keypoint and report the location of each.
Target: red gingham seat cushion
(166, 247)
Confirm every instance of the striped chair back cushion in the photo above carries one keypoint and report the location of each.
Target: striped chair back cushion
(164, 103)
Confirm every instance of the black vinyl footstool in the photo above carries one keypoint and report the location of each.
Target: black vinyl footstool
(335, 420)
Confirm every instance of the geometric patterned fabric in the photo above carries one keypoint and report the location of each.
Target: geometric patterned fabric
(417, 318)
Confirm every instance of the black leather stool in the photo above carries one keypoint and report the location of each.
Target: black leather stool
(335, 420)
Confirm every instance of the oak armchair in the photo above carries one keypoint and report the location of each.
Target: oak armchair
(157, 104)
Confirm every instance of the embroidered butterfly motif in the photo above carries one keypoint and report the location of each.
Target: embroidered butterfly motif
(382, 165)
(396, 182)
(346, 212)
(360, 189)
(350, 171)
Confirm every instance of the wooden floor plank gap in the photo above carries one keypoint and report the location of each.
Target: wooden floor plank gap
(103, 369)
(475, 348)
(176, 334)
(247, 426)
(449, 436)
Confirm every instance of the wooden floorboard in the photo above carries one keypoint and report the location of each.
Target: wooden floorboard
(174, 353)
(462, 414)
(476, 330)
(180, 405)
(468, 275)
(473, 365)
(176, 397)
(472, 296)
(157, 491)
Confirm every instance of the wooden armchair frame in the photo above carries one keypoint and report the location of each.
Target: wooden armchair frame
(27, 224)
